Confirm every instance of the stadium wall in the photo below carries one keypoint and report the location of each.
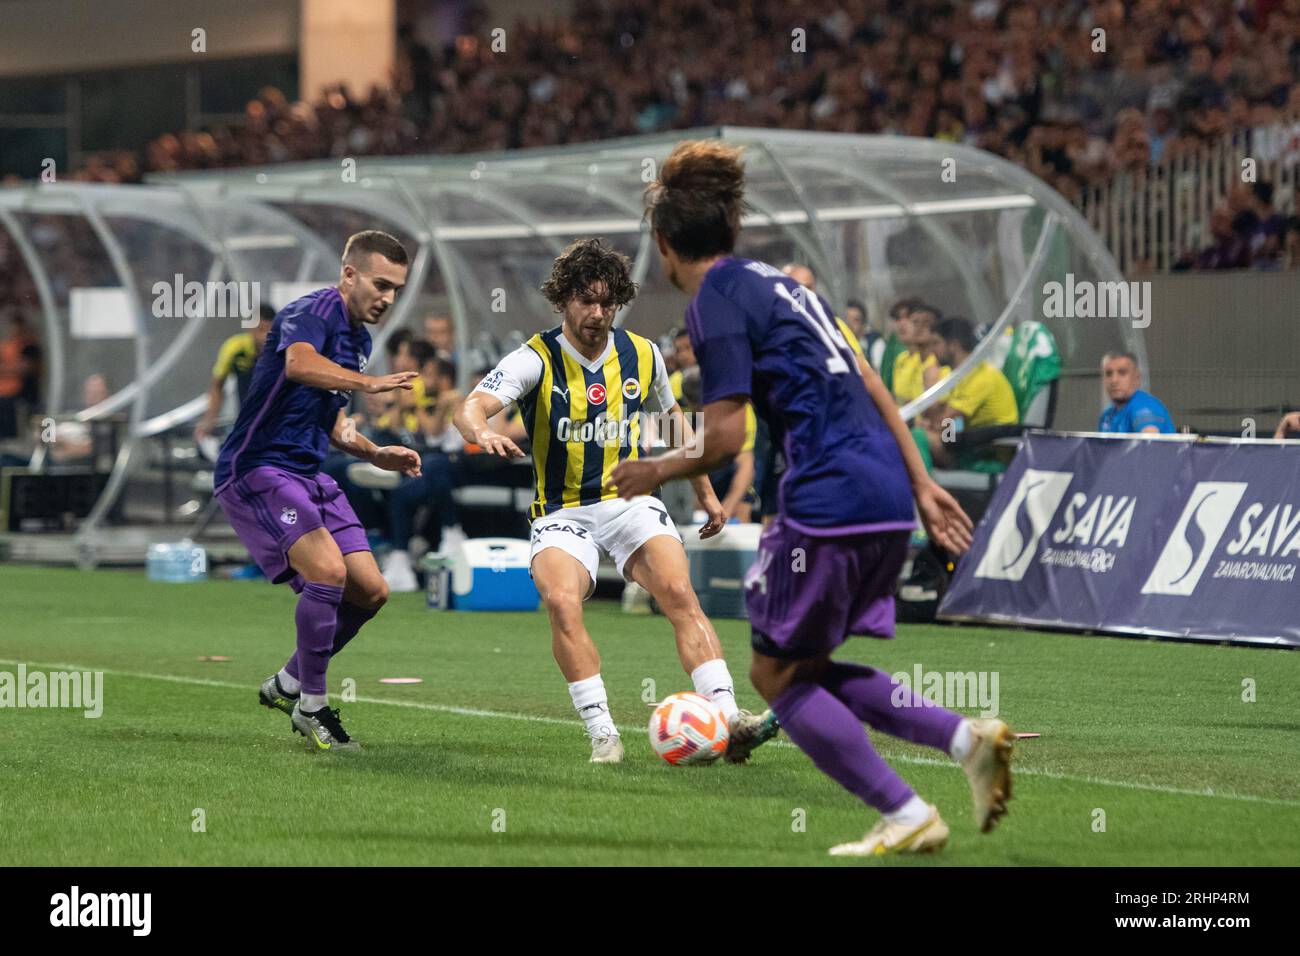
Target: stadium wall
(1223, 348)
(113, 33)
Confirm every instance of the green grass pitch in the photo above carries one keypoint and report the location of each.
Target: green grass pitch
(484, 763)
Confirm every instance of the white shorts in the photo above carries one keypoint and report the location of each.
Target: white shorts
(616, 527)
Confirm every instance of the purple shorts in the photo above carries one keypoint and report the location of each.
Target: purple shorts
(270, 509)
(806, 593)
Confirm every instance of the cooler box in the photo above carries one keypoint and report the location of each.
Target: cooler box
(718, 566)
(182, 561)
(491, 574)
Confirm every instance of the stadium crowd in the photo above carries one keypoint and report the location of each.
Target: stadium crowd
(1026, 81)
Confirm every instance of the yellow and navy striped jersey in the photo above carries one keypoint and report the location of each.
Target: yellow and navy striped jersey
(238, 355)
(581, 422)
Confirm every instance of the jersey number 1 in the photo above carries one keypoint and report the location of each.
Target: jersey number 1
(831, 336)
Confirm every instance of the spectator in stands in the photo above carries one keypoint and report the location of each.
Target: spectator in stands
(237, 356)
(1268, 228)
(1131, 411)
(441, 334)
(1018, 79)
(1160, 132)
(983, 398)
(1230, 248)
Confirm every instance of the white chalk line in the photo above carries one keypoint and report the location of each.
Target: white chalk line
(573, 723)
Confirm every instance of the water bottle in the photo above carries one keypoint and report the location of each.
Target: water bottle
(178, 562)
(437, 581)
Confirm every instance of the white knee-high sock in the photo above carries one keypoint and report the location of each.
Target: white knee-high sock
(592, 705)
(963, 741)
(713, 680)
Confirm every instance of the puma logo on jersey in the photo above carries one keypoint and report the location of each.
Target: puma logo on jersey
(562, 392)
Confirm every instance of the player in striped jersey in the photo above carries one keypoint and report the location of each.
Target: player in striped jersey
(583, 389)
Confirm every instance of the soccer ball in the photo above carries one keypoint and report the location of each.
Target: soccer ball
(688, 728)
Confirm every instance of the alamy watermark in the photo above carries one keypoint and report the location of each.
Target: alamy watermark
(179, 299)
(954, 690)
(76, 690)
(75, 908)
(1084, 299)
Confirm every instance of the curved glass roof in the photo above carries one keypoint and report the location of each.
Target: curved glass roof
(876, 217)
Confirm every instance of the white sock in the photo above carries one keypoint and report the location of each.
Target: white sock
(913, 813)
(713, 680)
(310, 703)
(288, 683)
(963, 741)
(592, 705)
(398, 556)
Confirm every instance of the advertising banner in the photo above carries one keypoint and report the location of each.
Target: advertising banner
(1176, 536)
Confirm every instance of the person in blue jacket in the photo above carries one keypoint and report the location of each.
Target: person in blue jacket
(1131, 410)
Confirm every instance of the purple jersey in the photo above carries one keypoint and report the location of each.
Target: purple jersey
(758, 334)
(283, 424)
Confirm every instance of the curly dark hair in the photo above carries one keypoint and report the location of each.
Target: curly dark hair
(584, 264)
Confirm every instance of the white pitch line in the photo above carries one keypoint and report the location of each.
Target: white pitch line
(572, 722)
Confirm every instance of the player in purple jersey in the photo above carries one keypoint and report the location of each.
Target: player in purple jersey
(828, 563)
(295, 521)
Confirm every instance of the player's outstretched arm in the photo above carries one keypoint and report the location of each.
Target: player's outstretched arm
(345, 437)
(472, 422)
(304, 365)
(680, 429)
(719, 439)
(943, 517)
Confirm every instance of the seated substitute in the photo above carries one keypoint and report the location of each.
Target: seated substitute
(1131, 411)
(982, 399)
